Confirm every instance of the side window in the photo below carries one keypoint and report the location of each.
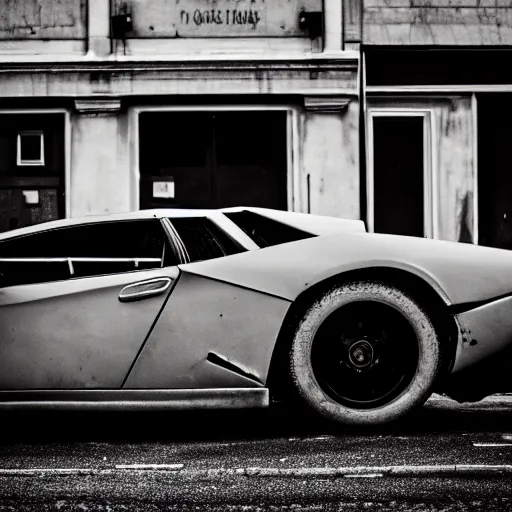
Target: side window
(203, 239)
(85, 250)
(266, 232)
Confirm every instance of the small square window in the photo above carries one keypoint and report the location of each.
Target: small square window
(30, 148)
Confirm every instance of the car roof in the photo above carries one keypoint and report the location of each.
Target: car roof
(134, 215)
(315, 224)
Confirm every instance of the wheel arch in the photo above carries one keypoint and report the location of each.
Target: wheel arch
(416, 287)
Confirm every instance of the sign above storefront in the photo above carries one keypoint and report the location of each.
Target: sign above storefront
(218, 18)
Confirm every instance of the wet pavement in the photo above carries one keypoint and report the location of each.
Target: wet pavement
(446, 456)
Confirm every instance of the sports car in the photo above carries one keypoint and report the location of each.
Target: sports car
(245, 308)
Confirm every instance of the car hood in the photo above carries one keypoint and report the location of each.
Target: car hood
(461, 273)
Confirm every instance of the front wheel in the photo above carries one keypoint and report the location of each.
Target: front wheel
(365, 353)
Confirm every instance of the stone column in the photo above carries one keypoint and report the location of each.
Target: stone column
(333, 20)
(100, 160)
(331, 156)
(98, 15)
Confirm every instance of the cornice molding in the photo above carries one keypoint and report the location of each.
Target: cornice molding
(331, 104)
(328, 64)
(97, 106)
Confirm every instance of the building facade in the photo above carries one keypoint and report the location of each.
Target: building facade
(437, 92)
(113, 106)
(390, 111)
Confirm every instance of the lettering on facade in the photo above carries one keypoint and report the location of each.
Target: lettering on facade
(218, 18)
(199, 17)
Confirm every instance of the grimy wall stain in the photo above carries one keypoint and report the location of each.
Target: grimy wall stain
(42, 19)
(437, 22)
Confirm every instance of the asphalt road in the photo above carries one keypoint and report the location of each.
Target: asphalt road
(444, 457)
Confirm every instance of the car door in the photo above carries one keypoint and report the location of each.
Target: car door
(212, 334)
(77, 303)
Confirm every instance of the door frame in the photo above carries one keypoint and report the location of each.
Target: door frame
(67, 146)
(292, 144)
(430, 171)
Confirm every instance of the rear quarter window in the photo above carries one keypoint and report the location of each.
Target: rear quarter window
(203, 239)
(266, 232)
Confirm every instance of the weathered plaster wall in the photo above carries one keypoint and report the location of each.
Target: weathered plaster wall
(100, 170)
(42, 19)
(437, 22)
(330, 155)
(454, 166)
(456, 169)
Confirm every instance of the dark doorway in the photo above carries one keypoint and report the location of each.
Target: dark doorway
(213, 159)
(494, 171)
(32, 169)
(398, 175)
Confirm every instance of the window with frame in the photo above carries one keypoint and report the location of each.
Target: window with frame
(85, 250)
(30, 148)
(266, 232)
(203, 239)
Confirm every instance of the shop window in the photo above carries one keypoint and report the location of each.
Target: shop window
(30, 148)
(266, 232)
(214, 159)
(85, 251)
(204, 240)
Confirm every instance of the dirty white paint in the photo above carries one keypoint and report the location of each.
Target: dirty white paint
(100, 172)
(330, 156)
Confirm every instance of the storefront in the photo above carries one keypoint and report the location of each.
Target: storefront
(164, 104)
(424, 145)
(32, 166)
(220, 157)
(438, 91)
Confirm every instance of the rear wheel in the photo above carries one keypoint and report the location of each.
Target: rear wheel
(365, 353)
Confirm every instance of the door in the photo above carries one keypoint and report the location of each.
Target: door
(213, 159)
(398, 176)
(495, 176)
(77, 303)
(31, 169)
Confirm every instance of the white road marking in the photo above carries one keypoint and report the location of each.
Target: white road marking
(52, 471)
(369, 475)
(488, 445)
(149, 466)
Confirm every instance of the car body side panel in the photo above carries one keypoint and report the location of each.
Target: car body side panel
(210, 334)
(74, 334)
(485, 331)
(460, 273)
(484, 355)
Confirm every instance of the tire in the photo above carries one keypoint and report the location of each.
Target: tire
(365, 353)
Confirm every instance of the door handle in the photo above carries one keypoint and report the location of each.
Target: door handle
(145, 289)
